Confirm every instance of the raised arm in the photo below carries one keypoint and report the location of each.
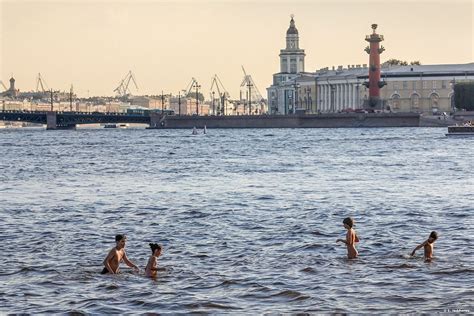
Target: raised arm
(418, 247)
(128, 262)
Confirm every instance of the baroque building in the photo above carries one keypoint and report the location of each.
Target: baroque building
(414, 88)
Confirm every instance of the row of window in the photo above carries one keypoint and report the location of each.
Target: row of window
(414, 101)
(426, 84)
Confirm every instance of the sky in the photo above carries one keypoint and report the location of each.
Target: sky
(93, 44)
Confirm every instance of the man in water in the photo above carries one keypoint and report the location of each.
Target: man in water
(428, 245)
(116, 255)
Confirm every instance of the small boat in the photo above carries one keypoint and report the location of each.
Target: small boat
(112, 125)
(461, 130)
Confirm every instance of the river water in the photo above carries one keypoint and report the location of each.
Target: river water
(248, 220)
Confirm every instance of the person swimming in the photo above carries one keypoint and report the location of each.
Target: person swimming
(351, 238)
(116, 255)
(428, 246)
(150, 269)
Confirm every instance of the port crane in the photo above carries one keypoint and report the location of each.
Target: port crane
(3, 85)
(190, 85)
(194, 84)
(122, 89)
(222, 94)
(41, 82)
(253, 94)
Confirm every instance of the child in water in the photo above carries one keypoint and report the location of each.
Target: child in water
(116, 255)
(151, 268)
(428, 245)
(351, 238)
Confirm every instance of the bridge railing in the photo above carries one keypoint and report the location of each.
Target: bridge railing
(75, 113)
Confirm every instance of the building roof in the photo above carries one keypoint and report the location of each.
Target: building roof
(292, 29)
(400, 71)
(362, 73)
(430, 69)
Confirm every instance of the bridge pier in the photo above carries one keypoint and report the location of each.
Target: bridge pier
(52, 122)
(157, 121)
(51, 119)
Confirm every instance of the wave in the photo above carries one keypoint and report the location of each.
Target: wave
(291, 294)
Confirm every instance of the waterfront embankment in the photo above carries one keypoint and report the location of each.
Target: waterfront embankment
(332, 120)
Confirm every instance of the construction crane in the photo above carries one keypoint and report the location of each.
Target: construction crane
(3, 85)
(41, 82)
(222, 94)
(190, 85)
(122, 89)
(254, 97)
(193, 84)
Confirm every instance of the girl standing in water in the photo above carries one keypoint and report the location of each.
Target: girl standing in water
(351, 238)
(151, 268)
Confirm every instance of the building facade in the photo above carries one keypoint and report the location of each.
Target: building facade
(414, 88)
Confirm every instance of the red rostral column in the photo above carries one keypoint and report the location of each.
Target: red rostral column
(374, 84)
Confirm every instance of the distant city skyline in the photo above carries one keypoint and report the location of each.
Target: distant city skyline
(93, 44)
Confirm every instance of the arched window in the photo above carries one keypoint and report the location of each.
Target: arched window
(395, 101)
(415, 101)
(434, 100)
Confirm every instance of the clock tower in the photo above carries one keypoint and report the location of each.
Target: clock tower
(292, 57)
(281, 97)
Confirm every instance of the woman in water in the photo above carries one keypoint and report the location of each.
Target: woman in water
(151, 268)
(351, 238)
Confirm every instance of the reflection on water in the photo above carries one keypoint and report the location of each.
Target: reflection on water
(248, 220)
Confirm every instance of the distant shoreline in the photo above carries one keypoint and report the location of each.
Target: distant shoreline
(332, 120)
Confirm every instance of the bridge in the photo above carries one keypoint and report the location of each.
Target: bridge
(69, 120)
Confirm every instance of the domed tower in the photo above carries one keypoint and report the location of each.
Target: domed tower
(12, 84)
(292, 57)
(291, 65)
(12, 92)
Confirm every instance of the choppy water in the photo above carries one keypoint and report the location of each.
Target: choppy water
(248, 220)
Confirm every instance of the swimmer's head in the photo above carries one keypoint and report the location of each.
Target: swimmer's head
(433, 237)
(120, 237)
(348, 221)
(155, 247)
(120, 240)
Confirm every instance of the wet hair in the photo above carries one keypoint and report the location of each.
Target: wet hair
(434, 235)
(348, 221)
(154, 247)
(119, 237)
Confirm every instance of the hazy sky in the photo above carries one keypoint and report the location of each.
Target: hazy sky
(93, 44)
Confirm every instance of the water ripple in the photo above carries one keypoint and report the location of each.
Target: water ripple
(248, 220)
